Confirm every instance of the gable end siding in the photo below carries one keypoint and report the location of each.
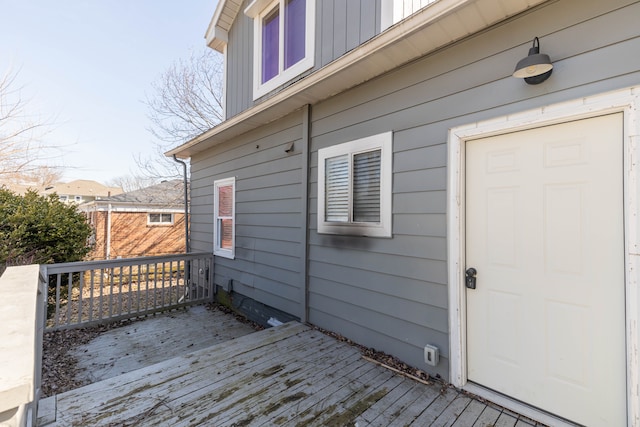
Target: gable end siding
(340, 26)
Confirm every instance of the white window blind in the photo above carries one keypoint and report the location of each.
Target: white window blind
(224, 217)
(366, 187)
(354, 187)
(337, 189)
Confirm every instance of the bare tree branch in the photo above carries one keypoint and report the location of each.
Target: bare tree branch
(187, 100)
(25, 157)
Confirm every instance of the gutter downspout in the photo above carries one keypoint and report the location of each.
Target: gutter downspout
(188, 289)
(305, 154)
(186, 204)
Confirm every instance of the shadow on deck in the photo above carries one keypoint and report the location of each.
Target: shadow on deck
(290, 375)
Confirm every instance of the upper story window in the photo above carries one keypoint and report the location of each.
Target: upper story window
(354, 187)
(283, 41)
(396, 10)
(77, 199)
(63, 198)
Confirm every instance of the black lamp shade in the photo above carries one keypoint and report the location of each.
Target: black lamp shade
(536, 67)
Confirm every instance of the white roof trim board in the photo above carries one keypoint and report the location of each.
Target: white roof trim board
(217, 34)
(427, 30)
(104, 206)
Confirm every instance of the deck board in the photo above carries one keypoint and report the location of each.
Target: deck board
(449, 416)
(436, 407)
(318, 388)
(425, 396)
(488, 417)
(384, 404)
(400, 400)
(290, 375)
(506, 420)
(470, 415)
(144, 343)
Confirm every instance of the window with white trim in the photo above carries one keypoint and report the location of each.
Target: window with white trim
(283, 41)
(224, 222)
(160, 219)
(354, 187)
(394, 11)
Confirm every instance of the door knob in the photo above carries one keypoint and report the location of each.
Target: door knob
(470, 278)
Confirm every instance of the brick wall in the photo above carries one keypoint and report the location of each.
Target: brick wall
(131, 236)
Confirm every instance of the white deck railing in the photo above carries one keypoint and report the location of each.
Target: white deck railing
(85, 293)
(77, 294)
(22, 305)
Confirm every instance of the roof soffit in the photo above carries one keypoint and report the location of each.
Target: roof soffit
(217, 34)
(433, 27)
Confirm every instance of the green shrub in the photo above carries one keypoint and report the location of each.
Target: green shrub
(38, 229)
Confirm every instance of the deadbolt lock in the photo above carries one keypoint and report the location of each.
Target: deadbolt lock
(470, 278)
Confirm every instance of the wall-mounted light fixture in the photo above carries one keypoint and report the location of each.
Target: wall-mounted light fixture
(536, 67)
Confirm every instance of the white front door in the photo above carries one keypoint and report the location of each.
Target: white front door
(544, 230)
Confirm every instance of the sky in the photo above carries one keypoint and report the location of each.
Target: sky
(87, 66)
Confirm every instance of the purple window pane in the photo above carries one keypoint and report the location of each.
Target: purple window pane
(294, 31)
(270, 44)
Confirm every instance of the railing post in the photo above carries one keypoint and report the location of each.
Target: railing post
(41, 320)
(21, 344)
(210, 276)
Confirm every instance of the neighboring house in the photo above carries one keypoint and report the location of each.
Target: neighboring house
(372, 155)
(81, 191)
(144, 222)
(18, 188)
(78, 191)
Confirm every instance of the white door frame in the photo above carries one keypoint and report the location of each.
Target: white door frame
(626, 101)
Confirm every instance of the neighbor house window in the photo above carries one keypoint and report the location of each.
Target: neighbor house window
(63, 198)
(354, 187)
(283, 41)
(77, 199)
(224, 223)
(160, 219)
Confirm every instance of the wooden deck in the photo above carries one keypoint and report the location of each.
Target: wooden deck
(291, 375)
(154, 340)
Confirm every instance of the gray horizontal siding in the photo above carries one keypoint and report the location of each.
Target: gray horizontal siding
(405, 246)
(380, 331)
(415, 290)
(416, 267)
(269, 224)
(341, 25)
(391, 293)
(434, 225)
(402, 310)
